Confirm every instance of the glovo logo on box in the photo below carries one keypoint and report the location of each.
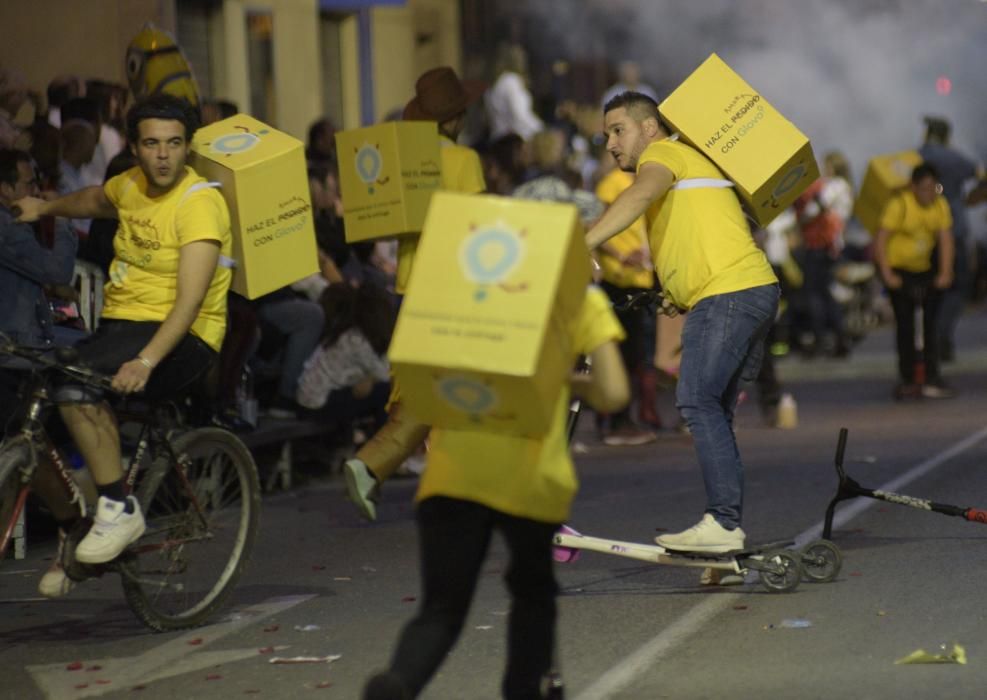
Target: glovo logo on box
(490, 254)
(236, 141)
(369, 164)
(785, 185)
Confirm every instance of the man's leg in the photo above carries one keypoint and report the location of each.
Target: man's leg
(531, 580)
(118, 521)
(903, 305)
(722, 337)
(454, 537)
(301, 321)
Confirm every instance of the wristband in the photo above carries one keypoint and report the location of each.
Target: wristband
(144, 361)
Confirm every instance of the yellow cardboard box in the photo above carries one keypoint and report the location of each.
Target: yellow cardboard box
(387, 174)
(885, 176)
(481, 340)
(264, 181)
(768, 159)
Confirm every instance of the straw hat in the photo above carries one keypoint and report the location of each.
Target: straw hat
(440, 95)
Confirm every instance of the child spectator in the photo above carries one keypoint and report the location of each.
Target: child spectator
(347, 376)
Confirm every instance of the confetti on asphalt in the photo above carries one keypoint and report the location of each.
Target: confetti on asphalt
(74, 666)
(856, 573)
(796, 623)
(342, 578)
(195, 642)
(484, 627)
(307, 628)
(95, 668)
(323, 684)
(272, 628)
(921, 656)
(881, 613)
(739, 607)
(305, 659)
(409, 599)
(213, 677)
(318, 567)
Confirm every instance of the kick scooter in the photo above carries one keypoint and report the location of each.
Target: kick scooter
(848, 488)
(780, 569)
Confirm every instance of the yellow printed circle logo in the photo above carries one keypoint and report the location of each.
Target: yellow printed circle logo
(369, 163)
(490, 254)
(236, 142)
(466, 395)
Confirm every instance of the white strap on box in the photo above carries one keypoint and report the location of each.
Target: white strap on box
(224, 260)
(694, 182)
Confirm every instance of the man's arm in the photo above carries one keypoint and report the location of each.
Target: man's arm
(21, 253)
(947, 250)
(605, 388)
(87, 203)
(196, 266)
(652, 182)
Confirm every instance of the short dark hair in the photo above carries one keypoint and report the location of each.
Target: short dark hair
(84, 108)
(162, 106)
(62, 89)
(922, 171)
(9, 158)
(227, 109)
(639, 105)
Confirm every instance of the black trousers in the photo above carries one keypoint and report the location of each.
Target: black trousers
(454, 538)
(917, 291)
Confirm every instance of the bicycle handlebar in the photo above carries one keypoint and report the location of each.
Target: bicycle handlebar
(650, 299)
(60, 361)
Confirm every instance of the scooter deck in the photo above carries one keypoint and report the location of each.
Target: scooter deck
(731, 554)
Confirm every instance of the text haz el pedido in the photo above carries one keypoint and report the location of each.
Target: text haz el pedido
(745, 111)
(291, 218)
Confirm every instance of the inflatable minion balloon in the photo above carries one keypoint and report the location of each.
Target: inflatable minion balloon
(155, 63)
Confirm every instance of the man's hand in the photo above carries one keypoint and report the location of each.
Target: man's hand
(639, 258)
(29, 208)
(892, 280)
(131, 377)
(944, 280)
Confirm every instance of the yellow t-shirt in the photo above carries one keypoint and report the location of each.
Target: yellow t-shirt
(628, 240)
(462, 171)
(914, 230)
(700, 241)
(144, 272)
(524, 477)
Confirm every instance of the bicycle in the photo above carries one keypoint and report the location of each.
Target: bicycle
(197, 487)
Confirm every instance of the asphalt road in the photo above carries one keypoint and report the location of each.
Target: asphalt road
(322, 582)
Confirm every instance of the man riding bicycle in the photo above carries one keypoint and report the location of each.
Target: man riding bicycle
(164, 313)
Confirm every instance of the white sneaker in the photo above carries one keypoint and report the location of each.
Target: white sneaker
(361, 487)
(113, 530)
(56, 583)
(705, 536)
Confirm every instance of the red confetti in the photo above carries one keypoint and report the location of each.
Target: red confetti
(409, 599)
(739, 607)
(213, 677)
(139, 687)
(856, 573)
(318, 567)
(266, 650)
(195, 642)
(272, 628)
(661, 529)
(103, 681)
(324, 684)
(81, 686)
(95, 668)
(74, 666)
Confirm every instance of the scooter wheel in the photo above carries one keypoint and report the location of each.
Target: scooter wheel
(821, 561)
(785, 574)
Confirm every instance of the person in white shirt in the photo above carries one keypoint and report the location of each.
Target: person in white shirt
(508, 101)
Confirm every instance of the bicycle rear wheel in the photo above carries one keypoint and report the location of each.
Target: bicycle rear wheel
(202, 516)
(14, 454)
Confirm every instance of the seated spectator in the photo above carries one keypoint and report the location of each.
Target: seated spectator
(78, 138)
(87, 109)
(347, 376)
(552, 181)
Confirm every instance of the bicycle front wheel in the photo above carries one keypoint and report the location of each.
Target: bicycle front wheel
(202, 512)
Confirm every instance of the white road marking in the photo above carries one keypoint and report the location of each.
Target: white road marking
(172, 658)
(646, 656)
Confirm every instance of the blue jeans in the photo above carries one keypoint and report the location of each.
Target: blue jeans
(722, 343)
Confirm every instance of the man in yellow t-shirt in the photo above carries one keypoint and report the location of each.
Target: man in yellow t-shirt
(708, 265)
(440, 97)
(914, 224)
(478, 482)
(164, 314)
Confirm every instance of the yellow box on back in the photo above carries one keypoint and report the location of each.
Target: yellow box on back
(264, 181)
(768, 159)
(885, 176)
(481, 342)
(387, 174)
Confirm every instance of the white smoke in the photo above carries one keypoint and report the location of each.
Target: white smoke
(854, 75)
